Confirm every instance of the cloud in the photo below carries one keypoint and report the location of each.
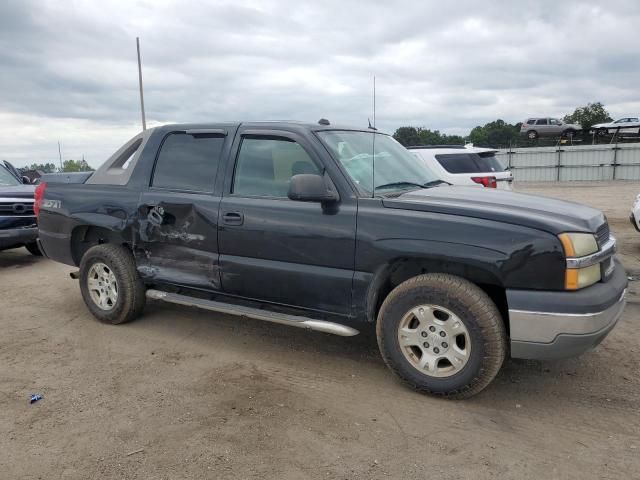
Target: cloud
(68, 69)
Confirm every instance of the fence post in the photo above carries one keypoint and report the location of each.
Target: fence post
(615, 159)
(558, 166)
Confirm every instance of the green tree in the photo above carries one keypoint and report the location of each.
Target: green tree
(495, 134)
(411, 136)
(589, 115)
(43, 167)
(407, 136)
(76, 166)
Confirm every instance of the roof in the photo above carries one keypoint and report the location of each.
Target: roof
(290, 125)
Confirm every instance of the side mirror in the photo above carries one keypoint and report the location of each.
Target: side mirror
(26, 180)
(312, 188)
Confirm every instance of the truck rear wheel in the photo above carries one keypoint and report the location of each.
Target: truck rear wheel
(442, 335)
(110, 285)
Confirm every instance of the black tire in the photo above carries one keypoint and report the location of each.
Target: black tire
(130, 288)
(478, 314)
(532, 134)
(33, 249)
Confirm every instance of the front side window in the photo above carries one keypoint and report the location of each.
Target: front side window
(7, 179)
(188, 162)
(554, 121)
(376, 159)
(541, 121)
(265, 166)
(531, 121)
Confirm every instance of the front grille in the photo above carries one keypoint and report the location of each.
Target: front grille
(16, 209)
(602, 234)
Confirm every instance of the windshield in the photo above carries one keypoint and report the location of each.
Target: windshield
(6, 179)
(395, 167)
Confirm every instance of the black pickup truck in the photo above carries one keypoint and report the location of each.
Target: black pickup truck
(337, 230)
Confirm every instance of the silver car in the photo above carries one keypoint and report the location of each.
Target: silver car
(536, 127)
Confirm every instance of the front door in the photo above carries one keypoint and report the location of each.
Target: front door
(275, 249)
(178, 214)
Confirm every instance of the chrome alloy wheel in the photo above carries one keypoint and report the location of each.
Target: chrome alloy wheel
(102, 286)
(434, 340)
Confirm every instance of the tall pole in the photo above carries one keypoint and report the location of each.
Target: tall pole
(60, 155)
(144, 121)
(374, 101)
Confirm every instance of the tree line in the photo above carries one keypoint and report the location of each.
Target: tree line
(497, 133)
(67, 166)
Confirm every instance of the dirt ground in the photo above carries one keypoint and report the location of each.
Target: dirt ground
(183, 393)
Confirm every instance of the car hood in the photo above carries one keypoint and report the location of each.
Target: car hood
(542, 213)
(17, 191)
(601, 125)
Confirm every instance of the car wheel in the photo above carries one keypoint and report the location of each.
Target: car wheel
(442, 335)
(603, 131)
(110, 285)
(532, 134)
(33, 249)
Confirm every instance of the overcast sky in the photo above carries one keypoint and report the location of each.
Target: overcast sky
(68, 69)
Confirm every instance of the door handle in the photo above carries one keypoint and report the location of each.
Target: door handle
(233, 218)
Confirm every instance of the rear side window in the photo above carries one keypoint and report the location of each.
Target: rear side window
(188, 162)
(266, 164)
(469, 163)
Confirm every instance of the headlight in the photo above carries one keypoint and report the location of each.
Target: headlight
(577, 278)
(578, 244)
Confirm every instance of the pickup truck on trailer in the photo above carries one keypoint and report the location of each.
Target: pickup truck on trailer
(336, 229)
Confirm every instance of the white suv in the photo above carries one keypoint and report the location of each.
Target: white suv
(465, 165)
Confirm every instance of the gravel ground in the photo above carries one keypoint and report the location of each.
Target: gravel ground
(183, 393)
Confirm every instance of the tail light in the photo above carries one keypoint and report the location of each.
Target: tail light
(37, 197)
(489, 182)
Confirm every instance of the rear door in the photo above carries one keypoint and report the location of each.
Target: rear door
(178, 213)
(277, 250)
(542, 126)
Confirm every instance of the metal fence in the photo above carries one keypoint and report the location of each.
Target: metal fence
(573, 163)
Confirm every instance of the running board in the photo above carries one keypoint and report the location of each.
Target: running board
(282, 318)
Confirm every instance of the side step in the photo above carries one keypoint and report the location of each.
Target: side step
(282, 318)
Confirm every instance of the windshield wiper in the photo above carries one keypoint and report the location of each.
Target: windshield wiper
(399, 184)
(434, 183)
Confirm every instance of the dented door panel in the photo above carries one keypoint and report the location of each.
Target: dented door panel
(178, 240)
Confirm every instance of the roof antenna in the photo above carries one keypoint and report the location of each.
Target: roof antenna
(371, 126)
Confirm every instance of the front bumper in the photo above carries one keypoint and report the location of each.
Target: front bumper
(17, 237)
(553, 325)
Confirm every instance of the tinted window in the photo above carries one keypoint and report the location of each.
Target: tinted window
(188, 162)
(541, 121)
(265, 166)
(531, 121)
(469, 163)
(553, 121)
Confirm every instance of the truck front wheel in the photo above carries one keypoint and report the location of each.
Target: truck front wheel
(110, 285)
(442, 335)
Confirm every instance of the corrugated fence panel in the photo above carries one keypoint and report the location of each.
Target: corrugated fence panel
(577, 163)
